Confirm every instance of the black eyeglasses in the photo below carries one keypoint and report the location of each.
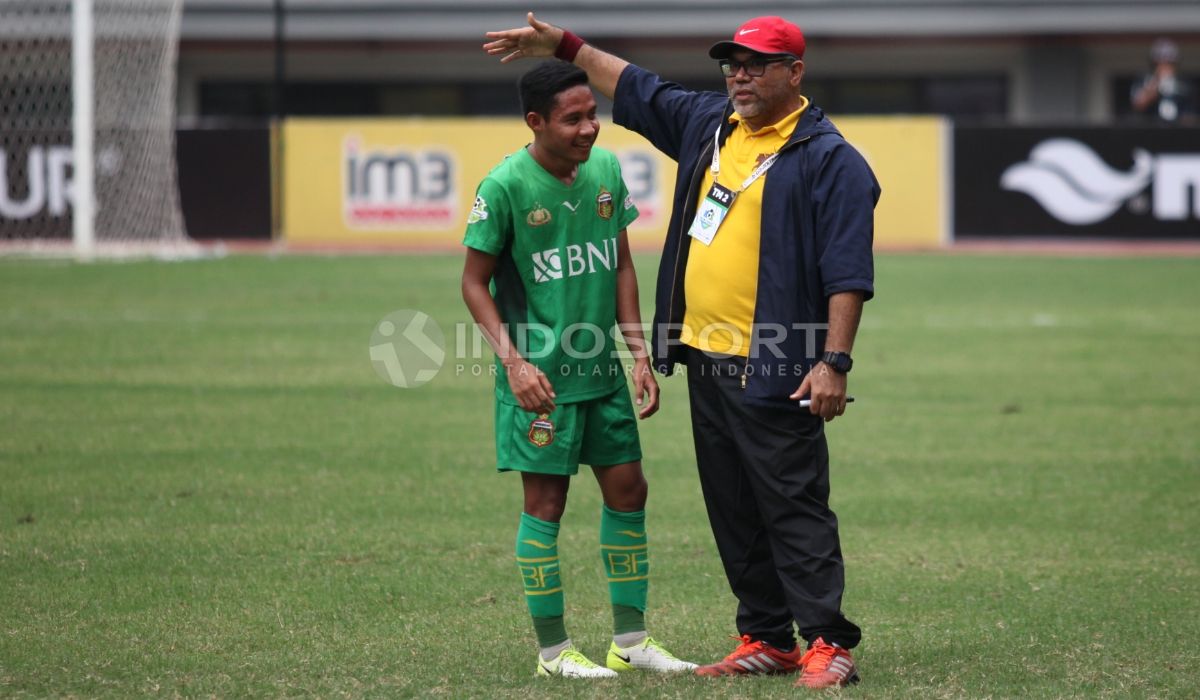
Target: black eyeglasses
(755, 67)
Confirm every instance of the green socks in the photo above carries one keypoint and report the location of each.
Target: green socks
(627, 566)
(537, 560)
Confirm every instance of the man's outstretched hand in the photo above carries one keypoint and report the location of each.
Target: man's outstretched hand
(539, 39)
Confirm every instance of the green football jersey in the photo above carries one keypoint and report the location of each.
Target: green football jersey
(556, 275)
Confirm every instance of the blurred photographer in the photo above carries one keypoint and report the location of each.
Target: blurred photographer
(1161, 95)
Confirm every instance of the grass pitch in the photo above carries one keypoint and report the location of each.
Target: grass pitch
(206, 490)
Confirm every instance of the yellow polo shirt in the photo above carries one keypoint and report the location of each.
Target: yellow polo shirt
(721, 279)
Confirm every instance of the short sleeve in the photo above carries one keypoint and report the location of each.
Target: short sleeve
(845, 193)
(627, 210)
(489, 226)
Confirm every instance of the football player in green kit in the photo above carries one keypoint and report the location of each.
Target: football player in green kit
(548, 277)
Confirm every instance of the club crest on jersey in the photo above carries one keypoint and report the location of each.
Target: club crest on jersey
(479, 211)
(541, 430)
(604, 204)
(540, 216)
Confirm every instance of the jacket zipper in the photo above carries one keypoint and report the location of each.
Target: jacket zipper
(682, 235)
(746, 365)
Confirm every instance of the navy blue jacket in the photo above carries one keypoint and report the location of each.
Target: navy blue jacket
(817, 227)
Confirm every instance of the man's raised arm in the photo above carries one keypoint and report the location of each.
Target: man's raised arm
(541, 39)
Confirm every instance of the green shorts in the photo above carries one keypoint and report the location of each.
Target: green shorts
(601, 432)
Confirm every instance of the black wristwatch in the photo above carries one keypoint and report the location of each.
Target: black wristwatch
(839, 361)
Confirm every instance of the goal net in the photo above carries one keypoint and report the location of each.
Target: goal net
(136, 196)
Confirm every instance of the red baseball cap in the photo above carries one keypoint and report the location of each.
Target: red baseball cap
(765, 35)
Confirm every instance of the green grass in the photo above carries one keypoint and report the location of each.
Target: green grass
(206, 490)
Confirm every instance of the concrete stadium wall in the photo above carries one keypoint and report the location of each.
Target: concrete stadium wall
(1059, 79)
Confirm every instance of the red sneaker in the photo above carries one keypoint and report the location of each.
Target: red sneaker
(827, 666)
(754, 657)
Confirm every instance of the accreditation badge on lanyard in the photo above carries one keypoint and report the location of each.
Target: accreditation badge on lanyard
(716, 205)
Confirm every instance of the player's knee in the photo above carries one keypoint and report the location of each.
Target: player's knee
(632, 497)
(546, 506)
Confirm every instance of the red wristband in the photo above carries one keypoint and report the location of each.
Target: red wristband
(568, 46)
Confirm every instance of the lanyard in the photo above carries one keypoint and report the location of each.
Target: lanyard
(761, 170)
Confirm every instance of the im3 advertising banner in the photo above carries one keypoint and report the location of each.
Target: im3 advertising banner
(411, 182)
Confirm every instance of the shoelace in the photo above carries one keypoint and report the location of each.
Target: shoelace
(651, 644)
(817, 659)
(578, 657)
(748, 646)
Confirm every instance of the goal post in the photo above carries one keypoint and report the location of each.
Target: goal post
(83, 127)
(87, 128)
